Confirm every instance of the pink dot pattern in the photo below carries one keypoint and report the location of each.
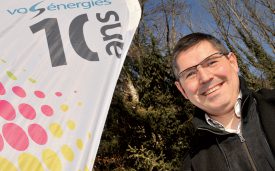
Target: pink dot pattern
(27, 111)
(2, 89)
(1, 143)
(58, 94)
(13, 134)
(20, 92)
(47, 110)
(6, 110)
(38, 134)
(39, 94)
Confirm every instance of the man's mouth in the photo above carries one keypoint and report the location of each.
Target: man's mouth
(211, 90)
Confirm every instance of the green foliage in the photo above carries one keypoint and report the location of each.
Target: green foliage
(147, 159)
(151, 133)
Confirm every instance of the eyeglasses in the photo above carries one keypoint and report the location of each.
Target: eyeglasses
(210, 63)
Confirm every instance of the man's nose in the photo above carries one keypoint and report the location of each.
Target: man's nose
(203, 75)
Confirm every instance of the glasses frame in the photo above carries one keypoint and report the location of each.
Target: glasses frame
(203, 61)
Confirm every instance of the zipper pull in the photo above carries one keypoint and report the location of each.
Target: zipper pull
(241, 137)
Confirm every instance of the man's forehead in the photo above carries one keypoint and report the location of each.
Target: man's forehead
(195, 54)
(203, 46)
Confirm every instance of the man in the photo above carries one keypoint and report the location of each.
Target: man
(234, 127)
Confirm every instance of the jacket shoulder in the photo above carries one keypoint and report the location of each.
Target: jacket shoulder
(266, 107)
(268, 94)
(265, 99)
(186, 165)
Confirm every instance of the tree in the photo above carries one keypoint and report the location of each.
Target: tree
(150, 127)
(247, 27)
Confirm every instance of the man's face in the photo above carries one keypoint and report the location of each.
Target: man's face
(215, 89)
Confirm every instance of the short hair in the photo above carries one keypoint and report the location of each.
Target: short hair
(189, 41)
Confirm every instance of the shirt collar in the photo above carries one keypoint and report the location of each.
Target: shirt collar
(237, 109)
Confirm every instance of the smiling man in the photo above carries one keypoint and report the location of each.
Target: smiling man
(233, 125)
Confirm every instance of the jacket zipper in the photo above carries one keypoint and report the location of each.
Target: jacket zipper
(242, 139)
(244, 145)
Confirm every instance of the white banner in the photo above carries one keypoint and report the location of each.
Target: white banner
(59, 61)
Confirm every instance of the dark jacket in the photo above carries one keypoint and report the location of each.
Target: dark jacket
(217, 150)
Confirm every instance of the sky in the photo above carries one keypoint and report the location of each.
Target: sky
(201, 18)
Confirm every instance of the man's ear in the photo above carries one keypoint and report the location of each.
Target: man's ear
(233, 61)
(180, 88)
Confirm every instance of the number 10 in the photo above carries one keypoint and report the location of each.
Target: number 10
(54, 40)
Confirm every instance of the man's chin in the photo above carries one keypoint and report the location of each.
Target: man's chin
(217, 109)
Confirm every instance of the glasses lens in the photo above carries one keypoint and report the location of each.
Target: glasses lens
(209, 63)
(188, 73)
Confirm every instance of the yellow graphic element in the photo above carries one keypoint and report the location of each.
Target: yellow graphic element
(2, 61)
(64, 107)
(56, 130)
(29, 162)
(51, 160)
(89, 135)
(67, 153)
(6, 165)
(32, 80)
(79, 144)
(79, 103)
(86, 168)
(71, 125)
(11, 76)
